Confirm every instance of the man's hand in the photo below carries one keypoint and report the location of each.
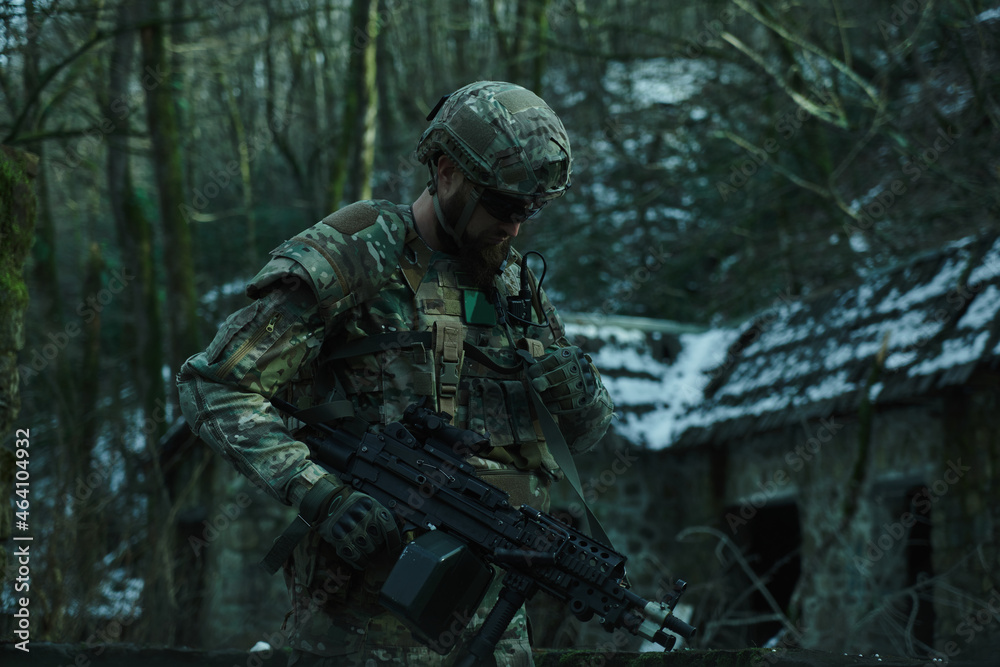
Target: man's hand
(359, 527)
(564, 379)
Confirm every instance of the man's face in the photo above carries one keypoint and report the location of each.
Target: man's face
(485, 241)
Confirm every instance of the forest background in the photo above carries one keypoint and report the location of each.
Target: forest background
(727, 155)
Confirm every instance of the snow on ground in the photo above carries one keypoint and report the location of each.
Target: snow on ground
(120, 596)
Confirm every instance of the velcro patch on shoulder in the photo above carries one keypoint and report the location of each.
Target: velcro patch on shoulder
(352, 218)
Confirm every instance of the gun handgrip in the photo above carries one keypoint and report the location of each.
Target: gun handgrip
(485, 641)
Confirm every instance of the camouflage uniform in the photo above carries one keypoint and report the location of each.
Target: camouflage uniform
(363, 280)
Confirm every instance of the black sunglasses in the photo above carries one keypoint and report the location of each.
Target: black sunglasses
(507, 208)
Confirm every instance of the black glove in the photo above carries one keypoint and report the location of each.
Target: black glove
(359, 527)
(564, 379)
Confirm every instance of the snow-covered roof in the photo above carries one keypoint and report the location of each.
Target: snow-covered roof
(933, 322)
(652, 391)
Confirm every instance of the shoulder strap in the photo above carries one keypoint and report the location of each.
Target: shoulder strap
(414, 260)
(449, 353)
(564, 459)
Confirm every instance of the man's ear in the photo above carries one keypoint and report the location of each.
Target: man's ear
(449, 176)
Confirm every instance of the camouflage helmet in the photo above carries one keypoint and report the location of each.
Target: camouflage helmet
(502, 137)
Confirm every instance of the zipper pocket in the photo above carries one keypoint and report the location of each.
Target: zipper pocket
(248, 345)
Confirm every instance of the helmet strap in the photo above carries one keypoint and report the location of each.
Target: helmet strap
(453, 235)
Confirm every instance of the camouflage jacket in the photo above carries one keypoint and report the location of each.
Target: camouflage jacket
(357, 307)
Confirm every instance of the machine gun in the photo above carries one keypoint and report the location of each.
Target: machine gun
(418, 470)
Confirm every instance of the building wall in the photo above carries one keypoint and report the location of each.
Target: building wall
(854, 506)
(966, 515)
(644, 500)
(855, 547)
(896, 548)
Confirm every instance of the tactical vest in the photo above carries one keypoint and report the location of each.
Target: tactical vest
(427, 334)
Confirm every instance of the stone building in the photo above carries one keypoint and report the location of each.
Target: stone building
(824, 474)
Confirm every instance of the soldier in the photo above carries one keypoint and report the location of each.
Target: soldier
(380, 305)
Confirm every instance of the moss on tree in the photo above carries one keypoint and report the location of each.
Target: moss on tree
(17, 223)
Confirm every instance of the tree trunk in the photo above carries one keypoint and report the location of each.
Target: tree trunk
(135, 237)
(276, 116)
(526, 67)
(178, 257)
(369, 101)
(360, 107)
(162, 612)
(540, 57)
(180, 75)
(17, 226)
(466, 59)
(46, 269)
(242, 147)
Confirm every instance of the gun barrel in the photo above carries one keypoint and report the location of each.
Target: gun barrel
(657, 616)
(679, 627)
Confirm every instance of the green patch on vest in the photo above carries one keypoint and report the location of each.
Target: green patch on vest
(477, 309)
